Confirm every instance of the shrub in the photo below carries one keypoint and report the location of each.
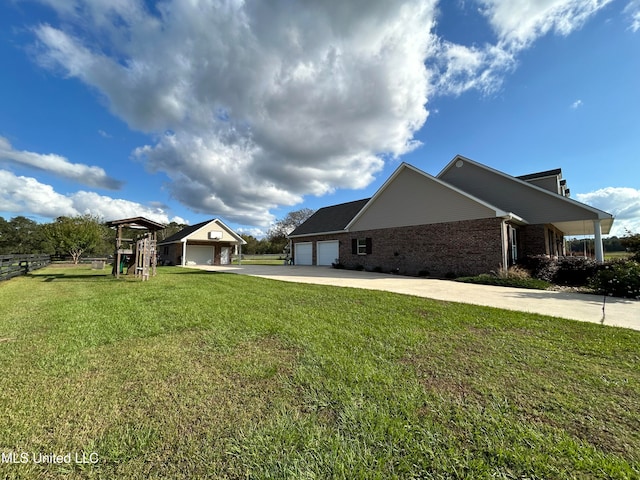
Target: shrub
(575, 271)
(572, 271)
(619, 278)
(541, 267)
(506, 281)
(514, 272)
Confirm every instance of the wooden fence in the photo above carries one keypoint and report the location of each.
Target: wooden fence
(16, 265)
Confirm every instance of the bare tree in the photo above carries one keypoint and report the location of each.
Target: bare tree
(277, 234)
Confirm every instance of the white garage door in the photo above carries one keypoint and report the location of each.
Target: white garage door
(304, 253)
(199, 255)
(327, 252)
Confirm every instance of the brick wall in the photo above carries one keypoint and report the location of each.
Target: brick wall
(173, 255)
(466, 247)
(535, 240)
(341, 237)
(532, 240)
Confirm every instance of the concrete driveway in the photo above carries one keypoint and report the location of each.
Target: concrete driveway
(576, 306)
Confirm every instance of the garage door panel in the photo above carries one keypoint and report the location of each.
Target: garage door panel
(199, 255)
(303, 253)
(328, 252)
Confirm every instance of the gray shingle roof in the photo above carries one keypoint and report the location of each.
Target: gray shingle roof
(176, 237)
(330, 219)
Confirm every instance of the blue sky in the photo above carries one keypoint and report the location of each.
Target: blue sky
(247, 110)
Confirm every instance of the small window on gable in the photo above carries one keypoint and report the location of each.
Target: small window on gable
(361, 246)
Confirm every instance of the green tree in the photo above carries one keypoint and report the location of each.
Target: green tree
(631, 241)
(277, 235)
(5, 235)
(252, 244)
(76, 235)
(22, 235)
(169, 230)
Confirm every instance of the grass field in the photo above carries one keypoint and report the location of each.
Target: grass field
(267, 259)
(208, 375)
(617, 255)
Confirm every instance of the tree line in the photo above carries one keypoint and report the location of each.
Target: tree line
(88, 236)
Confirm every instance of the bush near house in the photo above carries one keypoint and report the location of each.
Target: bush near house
(514, 277)
(575, 271)
(541, 267)
(620, 278)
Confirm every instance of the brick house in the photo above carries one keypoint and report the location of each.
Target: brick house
(469, 219)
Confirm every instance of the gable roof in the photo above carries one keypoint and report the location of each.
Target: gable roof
(334, 218)
(535, 204)
(190, 230)
(430, 201)
(547, 173)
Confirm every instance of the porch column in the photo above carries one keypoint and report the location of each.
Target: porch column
(597, 228)
(184, 252)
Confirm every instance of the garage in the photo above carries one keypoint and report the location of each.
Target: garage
(200, 255)
(303, 253)
(328, 252)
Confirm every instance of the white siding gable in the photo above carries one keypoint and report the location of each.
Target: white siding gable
(214, 226)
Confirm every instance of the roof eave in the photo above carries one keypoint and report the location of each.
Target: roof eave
(601, 213)
(313, 234)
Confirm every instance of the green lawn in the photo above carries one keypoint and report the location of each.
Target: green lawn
(209, 375)
(266, 259)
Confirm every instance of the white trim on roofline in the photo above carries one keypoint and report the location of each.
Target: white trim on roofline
(302, 235)
(231, 231)
(602, 215)
(215, 220)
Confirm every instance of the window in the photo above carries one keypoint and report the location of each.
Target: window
(361, 246)
(513, 245)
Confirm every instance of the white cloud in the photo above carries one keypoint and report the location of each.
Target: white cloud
(25, 194)
(104, 134)
(88, 175)
(253, 105)
(518, 23)
(576, 104)
(460, 68)
(264, 103)
(254, 232)
(633, 11)
(622, 202)
(20, 194)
